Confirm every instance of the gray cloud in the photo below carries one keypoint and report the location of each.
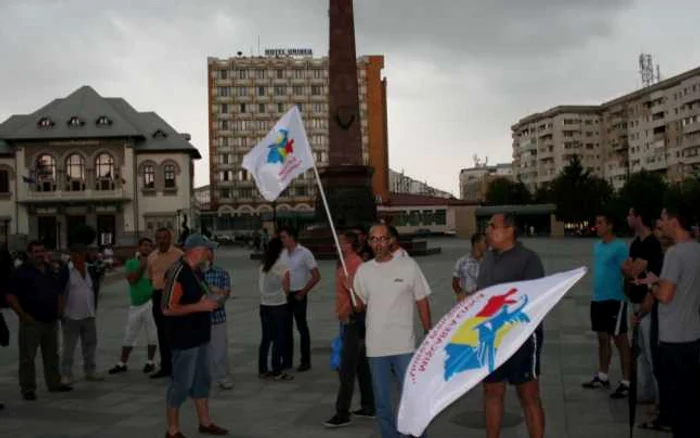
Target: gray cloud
(460, 72)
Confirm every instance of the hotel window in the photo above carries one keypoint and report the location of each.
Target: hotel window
(280, 90)
(242, 108)
(280, 107)
(243, 175)
(242, 74)
(242, 91)
(4, 181)
(261, 107)
(298, 90)
(223, 74)
(223, 124)
(315, 90)
(317, 73)
(298, 74)
(246, 193)
(260, 74)
(223, 109)
(169, 176)
(261, 91)
(149, 176)
(224, 91)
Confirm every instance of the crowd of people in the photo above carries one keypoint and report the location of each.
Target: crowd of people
(177, 297)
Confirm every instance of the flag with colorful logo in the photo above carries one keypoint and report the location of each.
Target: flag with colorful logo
(281, 156)
(472, 340)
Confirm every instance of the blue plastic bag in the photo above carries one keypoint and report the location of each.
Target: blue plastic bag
(337, 350)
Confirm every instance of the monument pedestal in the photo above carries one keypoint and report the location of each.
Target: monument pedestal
(349, 194)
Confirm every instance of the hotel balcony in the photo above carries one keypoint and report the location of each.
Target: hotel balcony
(74, 196)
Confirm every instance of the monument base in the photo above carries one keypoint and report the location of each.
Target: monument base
(349, 194)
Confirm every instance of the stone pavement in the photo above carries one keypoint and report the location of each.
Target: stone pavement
(131, 405)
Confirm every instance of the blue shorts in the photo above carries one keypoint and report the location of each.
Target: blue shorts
(524, 365)
(191, 375)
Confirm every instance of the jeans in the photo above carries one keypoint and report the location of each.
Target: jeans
(297, 309)
(31, 337)
(679, 365)
(191, 375)
(163, 346)
(274, 321)
(645, 364)
(86, 331)
(219, 353)
(354, 363)
(384, 369)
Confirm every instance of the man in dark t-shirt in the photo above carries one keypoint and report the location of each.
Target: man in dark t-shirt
(646, 256)
(188, 328)
(509, 261)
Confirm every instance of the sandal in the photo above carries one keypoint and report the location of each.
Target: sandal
(655, 426)
(283, 377)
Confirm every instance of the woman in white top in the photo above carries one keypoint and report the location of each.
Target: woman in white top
(273, 283)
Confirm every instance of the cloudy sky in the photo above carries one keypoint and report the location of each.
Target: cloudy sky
(460, 72)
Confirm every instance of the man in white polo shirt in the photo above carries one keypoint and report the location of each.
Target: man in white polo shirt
(303, 276)
(392, 288)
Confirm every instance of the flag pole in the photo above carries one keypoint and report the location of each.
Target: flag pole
(335, 236)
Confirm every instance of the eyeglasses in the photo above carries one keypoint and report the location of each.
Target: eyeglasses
(382, 239)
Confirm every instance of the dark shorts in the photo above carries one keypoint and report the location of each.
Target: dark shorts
(609, 317)
(523, 366)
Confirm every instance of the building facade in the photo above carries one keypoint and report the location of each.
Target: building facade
(656, 128)
(86, 159)
(247, 95)
(474, 181)
(401, 183)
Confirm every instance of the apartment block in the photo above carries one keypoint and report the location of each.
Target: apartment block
(247, 95)
(474, 181)
(656, 128)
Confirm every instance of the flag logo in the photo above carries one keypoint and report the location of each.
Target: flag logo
(282, 147)
(476, 342)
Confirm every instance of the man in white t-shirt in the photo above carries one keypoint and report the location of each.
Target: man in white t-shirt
(303, 276)
(392, 288)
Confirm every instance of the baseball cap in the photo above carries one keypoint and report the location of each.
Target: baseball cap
(197, 240)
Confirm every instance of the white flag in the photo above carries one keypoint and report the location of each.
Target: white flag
(471, 341)
(281, 156)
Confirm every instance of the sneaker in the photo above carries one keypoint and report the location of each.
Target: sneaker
(116, 369)
(212, 429)
(365, 413)
(149, 368)
(597, 383)
(94, 377)
(226, 385)
(337, 421)
(621, 392)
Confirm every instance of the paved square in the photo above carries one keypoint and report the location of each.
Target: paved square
(131, 405)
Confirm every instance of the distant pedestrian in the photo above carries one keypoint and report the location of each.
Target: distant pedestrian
(467, 268)
(364, 249)
(354, 362)
(219, 283)
(304, 275)
(609, 307)
(395, 244)
(188, 325)
(79, 318)
(140, 315)
(273, 285)
(391, 288)
(509, 261)
(35, 295)
(158, 263)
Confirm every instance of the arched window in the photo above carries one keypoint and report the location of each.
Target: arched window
(45, 173)
(104, 172)
(149, 176)
(75, 167)
(75, 172)
(104, 166)
(46, 167)
(169, 176)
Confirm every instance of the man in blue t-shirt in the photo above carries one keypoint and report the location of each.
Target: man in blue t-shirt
(609, 306)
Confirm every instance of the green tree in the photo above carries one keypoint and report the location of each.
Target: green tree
(543, 194)
(644, 191)
(502, 191)
(578, 195)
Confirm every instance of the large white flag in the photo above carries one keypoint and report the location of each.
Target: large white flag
(281, 156)
(471, 341)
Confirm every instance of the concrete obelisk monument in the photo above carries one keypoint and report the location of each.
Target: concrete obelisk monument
(346, 180)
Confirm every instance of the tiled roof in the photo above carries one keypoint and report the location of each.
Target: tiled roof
(86, 114)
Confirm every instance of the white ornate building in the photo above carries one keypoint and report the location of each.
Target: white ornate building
(86, 159)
